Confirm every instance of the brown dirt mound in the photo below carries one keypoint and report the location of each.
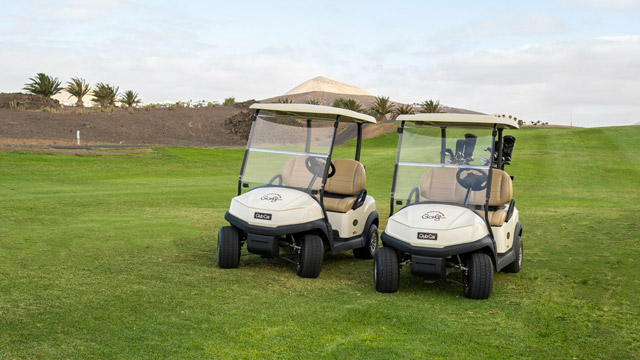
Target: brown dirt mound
(158, 126)
(26, 101)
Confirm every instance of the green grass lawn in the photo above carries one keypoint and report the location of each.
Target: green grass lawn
(113, 256)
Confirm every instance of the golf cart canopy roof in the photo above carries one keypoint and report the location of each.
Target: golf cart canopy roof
(443, 119)
(315, 111)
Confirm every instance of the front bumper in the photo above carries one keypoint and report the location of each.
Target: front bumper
(446, 251)
(319, 224)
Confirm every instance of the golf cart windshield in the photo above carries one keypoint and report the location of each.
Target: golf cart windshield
(287, 151)
(449, 165)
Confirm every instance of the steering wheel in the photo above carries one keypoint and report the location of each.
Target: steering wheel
(316, 167)
(475, 179)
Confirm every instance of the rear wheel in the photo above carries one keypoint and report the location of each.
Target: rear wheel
(478, 279)
(370, 245)
(228, 247)
(310, 257)
(516, 265)
(386, 270)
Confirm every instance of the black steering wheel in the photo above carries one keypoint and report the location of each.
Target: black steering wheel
(316, 167)
(475, 179)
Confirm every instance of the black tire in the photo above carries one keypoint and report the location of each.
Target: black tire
(311, 256)
(478, 279)
(386, 270)
(228, 247)
(516, 265)
(370, 245)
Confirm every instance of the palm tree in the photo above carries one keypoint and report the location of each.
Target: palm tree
(43, 84)
(338, 102)
(77, 88)
(381, 107)
(348, 104)
(130, 98)
(404, 109)
(313, 101)
(284, 101)
(105, 94)
(430, 106)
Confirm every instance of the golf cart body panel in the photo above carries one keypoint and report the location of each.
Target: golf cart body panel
(274, 206)
(447, 225)
(291, 193)
(504, 234)
(349, 224)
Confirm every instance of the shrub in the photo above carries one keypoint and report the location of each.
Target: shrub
(51, 110)
(348, 104)
(313, 101)
(230, 101)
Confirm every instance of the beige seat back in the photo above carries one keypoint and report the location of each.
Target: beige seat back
(440, 184)
(501, 190)
(349, 178)
(296, 174)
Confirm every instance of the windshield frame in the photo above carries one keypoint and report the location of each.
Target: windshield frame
(443, 163)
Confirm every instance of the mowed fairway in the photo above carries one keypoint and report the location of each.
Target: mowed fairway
(113, 255)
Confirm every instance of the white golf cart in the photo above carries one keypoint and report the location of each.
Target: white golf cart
(298, 202)
(457, 212)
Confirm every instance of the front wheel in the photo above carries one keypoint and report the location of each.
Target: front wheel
(228, 247)
(310, 257)
(478, 278)
(386, 270)
(370, 245)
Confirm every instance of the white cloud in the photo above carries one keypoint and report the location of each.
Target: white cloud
(503, 26)
(598, 81)
(607, 4)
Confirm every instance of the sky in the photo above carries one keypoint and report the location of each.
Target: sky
(561, 61)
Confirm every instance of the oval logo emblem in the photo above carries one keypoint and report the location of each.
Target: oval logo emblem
(433, 215)
(272, 197)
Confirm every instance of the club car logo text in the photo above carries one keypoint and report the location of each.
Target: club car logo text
(433, 215)
(262, 216)
(273, 197)
(427, 236)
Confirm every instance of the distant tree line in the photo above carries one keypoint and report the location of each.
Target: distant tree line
(103, 93)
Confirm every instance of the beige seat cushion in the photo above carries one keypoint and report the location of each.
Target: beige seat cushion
(497, 218)
(339, 205)
(349, 178)
(295, 174)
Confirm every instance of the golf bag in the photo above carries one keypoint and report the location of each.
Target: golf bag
(465, 148)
